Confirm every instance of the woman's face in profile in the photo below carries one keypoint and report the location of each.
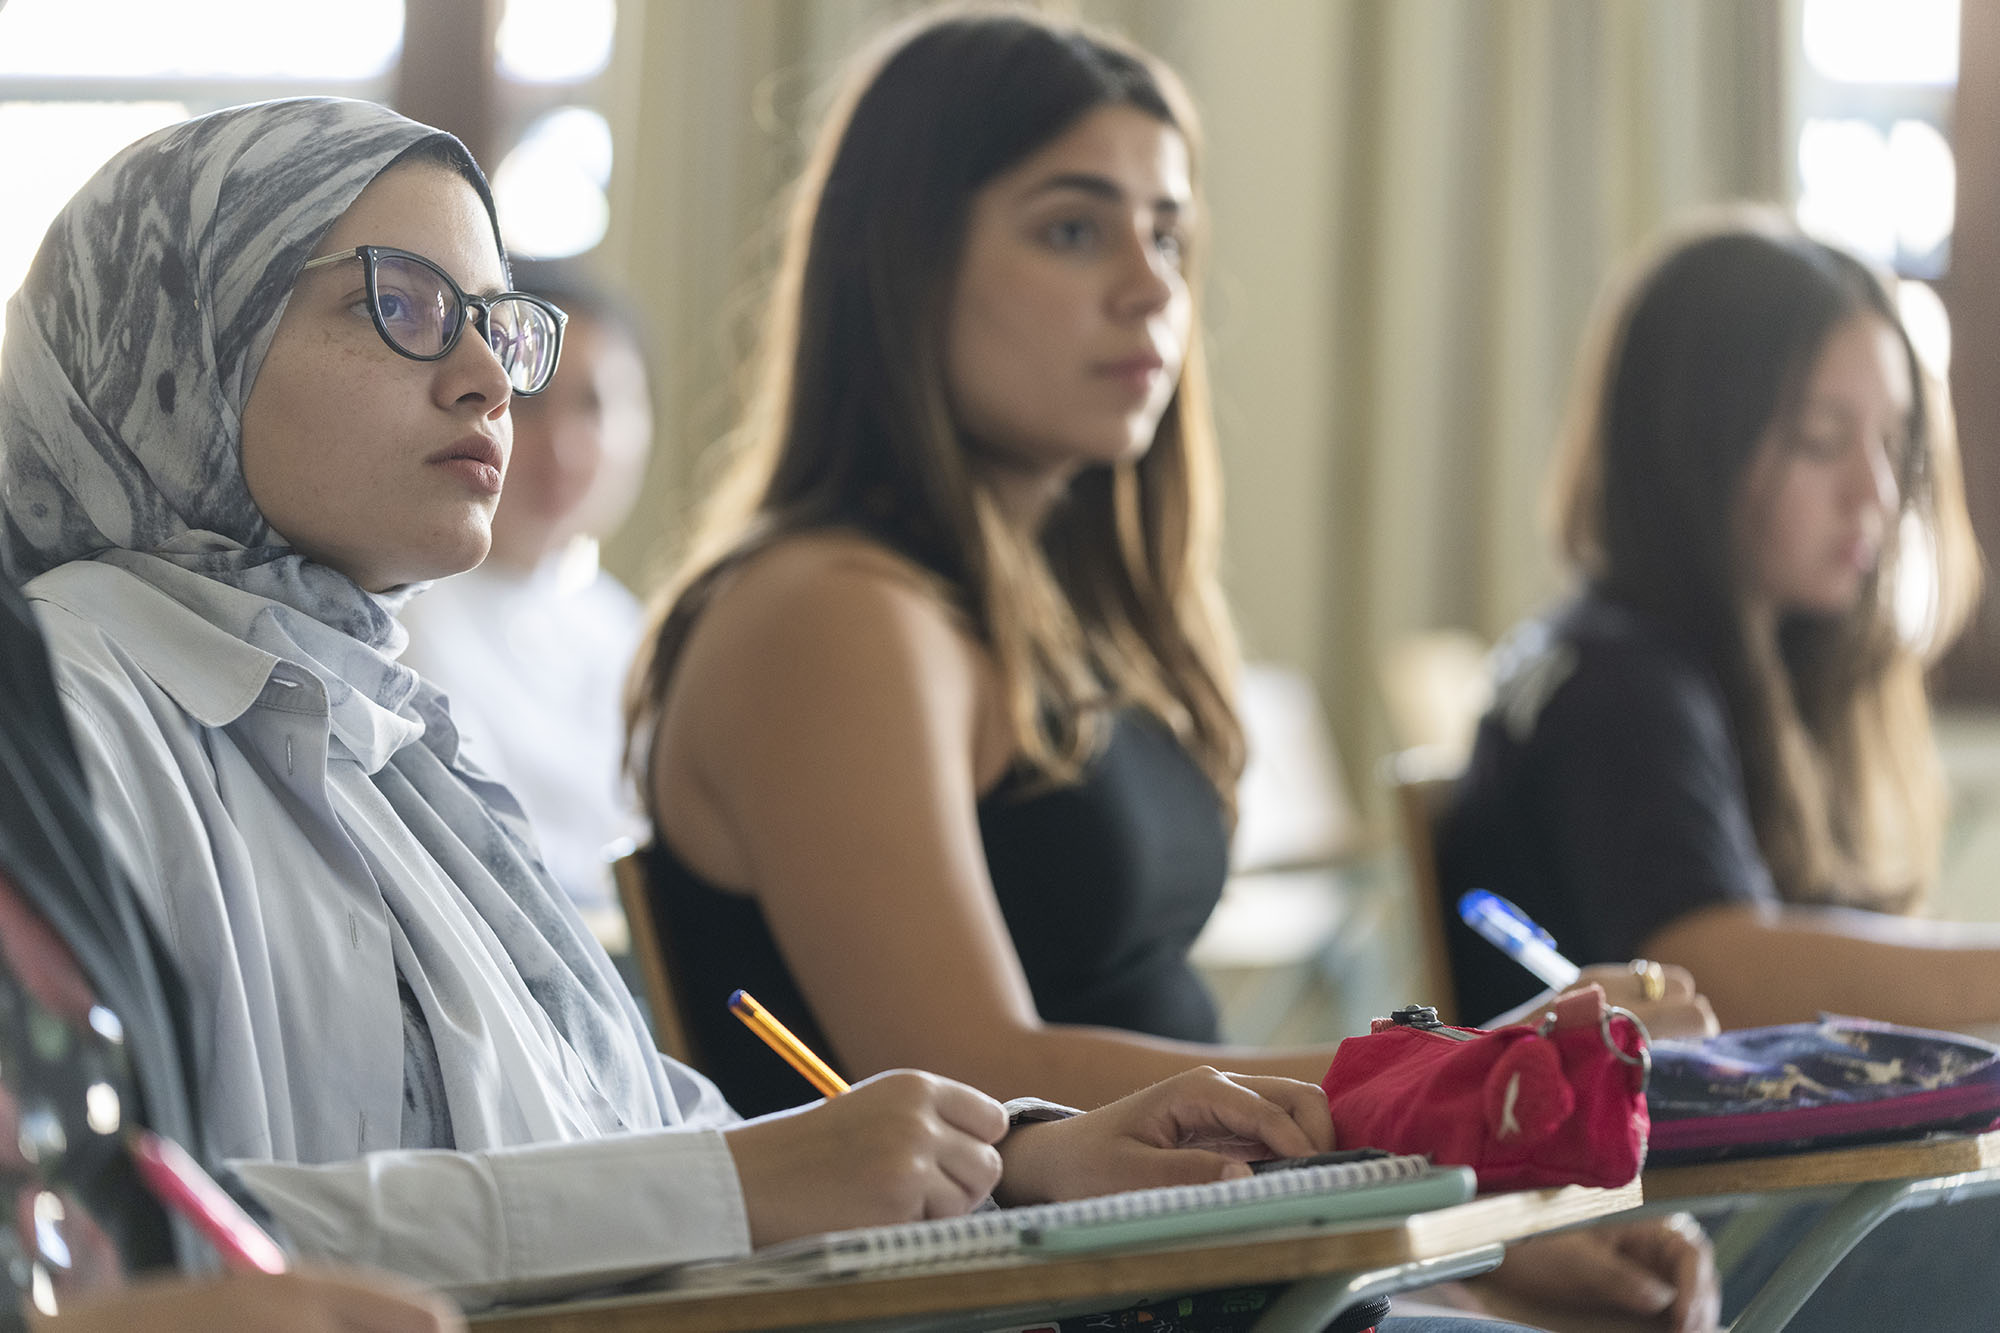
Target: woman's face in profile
(1070, 315)
(385, 468)
(1820, 497)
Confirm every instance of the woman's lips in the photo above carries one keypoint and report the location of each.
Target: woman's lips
(1137, 374)
(476, 460)
(1860, 554)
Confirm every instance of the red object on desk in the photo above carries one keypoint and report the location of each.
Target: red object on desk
(1561, 1102)
(178, 1182)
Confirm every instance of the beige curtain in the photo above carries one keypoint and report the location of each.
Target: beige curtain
(1414, 202)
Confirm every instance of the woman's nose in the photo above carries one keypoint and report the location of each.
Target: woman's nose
(1875, 476)
(473, 372)
(1147, 277)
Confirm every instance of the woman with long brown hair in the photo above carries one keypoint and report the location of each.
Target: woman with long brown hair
(1720, 754)
(936, 725)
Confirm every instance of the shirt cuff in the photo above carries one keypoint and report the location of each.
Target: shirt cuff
(517, 1222)
(1035, 1111)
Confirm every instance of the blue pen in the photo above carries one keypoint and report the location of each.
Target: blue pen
(1510, 930)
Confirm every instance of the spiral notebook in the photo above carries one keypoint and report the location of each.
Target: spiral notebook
(1304, 1196)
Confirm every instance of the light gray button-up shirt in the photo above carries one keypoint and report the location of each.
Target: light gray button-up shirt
(294, 888)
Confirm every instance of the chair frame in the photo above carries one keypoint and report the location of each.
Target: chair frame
(1421, 779)
(649, 946)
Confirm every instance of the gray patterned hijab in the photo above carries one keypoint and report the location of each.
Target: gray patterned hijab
(130, 352)
(132, 346)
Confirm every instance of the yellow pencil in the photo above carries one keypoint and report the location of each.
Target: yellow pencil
(780, 1039)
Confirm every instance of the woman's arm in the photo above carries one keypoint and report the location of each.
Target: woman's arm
(1761, 964)
(309, 1302)
(537, 1219)
(825, 741)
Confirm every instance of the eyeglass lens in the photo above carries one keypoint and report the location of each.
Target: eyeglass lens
(420, 312)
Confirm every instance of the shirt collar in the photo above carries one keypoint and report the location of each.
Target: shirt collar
(215, 658)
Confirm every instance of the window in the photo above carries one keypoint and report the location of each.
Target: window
(549, 185)
(1877, 175)
(1876, 170)
(80, 79)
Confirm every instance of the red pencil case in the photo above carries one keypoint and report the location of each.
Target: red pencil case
(1557, 1102)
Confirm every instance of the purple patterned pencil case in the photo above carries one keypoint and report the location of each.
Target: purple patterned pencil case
(1761, 1091)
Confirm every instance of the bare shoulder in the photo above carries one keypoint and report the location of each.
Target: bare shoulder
(824, 626)
(837, 594)
(845, 566)
(826, 652)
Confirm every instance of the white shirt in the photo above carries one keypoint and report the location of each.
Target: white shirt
(292, 896)
(535, 670)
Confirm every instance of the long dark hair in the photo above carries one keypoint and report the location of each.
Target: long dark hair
(1709, 348)
(849, 424)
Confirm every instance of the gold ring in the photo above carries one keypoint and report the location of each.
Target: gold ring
(1652, 979)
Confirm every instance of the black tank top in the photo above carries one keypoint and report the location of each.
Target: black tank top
(1104, 885)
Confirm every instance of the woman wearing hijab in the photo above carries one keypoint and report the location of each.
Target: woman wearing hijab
(243, 422)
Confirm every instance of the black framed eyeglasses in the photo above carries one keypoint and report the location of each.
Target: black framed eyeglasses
(420, 312)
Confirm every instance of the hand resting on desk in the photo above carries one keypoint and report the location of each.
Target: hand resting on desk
(1195, 1127)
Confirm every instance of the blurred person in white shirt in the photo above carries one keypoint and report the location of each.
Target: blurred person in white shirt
(532, 646)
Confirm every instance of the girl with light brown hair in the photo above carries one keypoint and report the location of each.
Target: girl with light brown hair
(1721, 755)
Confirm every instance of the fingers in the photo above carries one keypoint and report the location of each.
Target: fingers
(954, 1130)
(371, 1303)
(1194, 1166)
(1602, 1274)
(969, 1111)
(1678, 1010)
(1677, 1248)
(1204, 1106)
(967, 1171)
(1682, 1019)
(1304, 1103)
(1680, 982)
(1624, 987)
(1699, 1306)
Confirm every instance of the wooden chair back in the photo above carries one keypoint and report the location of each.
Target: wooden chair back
(1421, 780)
(649, 946)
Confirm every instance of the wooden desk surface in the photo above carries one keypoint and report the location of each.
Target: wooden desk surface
(1117, 1277)
(1946, 1156)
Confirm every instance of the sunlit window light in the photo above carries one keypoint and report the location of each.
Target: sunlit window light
(1928, 325)
(52, 148)
(556, 41)
(107, 39)
(1844, 196)
(1883, 41)
(1923, 180)
(549, 191)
